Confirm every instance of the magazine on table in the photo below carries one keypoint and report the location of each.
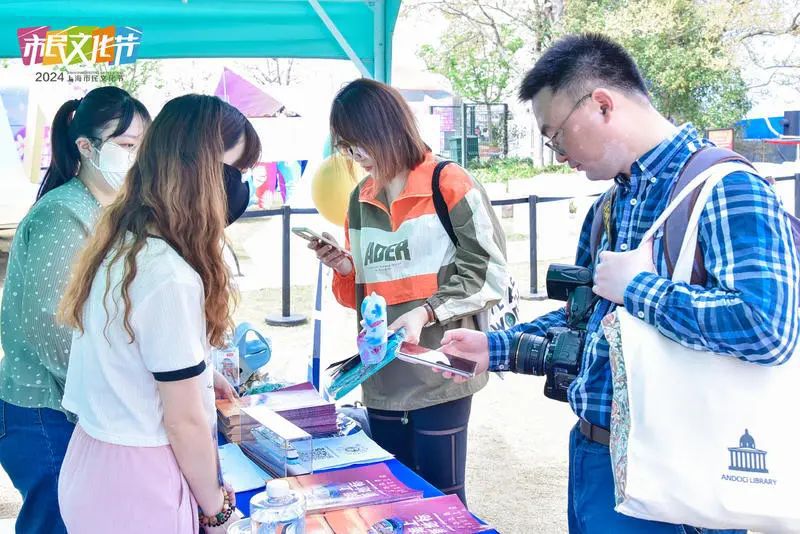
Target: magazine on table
(239, 471)
(347, 450)
(355, 486)
(437, 515)
(300, 403)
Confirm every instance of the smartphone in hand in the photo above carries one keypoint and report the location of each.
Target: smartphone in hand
(411, 353)
(310, 235)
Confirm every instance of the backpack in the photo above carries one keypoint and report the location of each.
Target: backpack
(505, 313)
(675, 225)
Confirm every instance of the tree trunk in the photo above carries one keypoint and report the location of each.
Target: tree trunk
(489, 120)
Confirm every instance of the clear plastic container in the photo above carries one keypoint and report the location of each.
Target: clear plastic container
(242, 526)
(279, 510)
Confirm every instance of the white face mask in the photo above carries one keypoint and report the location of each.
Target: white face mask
(113, 162)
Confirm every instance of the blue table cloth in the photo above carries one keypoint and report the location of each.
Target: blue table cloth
(403, 474)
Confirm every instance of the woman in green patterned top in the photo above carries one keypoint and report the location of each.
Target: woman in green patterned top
(94, 140)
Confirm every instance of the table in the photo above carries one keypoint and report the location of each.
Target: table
(403, 474)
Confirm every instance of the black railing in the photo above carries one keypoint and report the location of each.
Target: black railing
(286, 318)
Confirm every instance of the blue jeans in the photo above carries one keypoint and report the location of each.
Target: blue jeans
(33, 442)
(591, 496)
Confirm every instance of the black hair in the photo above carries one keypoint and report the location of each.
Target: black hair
(234, 126)
(574, 62)
(86, 117)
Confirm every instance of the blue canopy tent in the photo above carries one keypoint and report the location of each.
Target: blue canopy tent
(358, 30)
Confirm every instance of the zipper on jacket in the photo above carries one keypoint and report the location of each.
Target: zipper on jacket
(404, 419)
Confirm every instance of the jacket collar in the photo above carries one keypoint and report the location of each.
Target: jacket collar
(417, 185)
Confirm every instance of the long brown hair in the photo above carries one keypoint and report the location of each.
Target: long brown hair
(375, 117)
(175, 189)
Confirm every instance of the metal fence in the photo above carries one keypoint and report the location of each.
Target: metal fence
(286, 318)
(484, 126)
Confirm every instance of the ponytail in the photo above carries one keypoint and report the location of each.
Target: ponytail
(87, 117)
(65, 157)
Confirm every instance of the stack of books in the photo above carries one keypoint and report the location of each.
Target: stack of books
(299, 404)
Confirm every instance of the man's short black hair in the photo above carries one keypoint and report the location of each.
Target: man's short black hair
(575, 62)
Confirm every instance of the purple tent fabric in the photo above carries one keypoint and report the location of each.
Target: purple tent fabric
(245, 96)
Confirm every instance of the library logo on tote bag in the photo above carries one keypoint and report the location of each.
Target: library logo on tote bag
(748, 458)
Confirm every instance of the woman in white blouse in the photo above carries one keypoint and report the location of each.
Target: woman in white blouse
(149, 297)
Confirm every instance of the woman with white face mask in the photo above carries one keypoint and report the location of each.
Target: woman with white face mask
(94, 141)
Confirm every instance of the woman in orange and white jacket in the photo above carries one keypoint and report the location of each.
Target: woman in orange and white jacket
(401, 251)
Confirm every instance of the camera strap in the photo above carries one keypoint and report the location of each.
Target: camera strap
(603, 223)
(608, 218)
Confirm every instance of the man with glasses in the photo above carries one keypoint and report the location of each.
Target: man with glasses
(591, 102)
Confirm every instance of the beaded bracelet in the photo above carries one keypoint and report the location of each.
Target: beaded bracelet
(220, 518)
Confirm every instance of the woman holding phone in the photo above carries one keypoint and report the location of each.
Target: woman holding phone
(401, 251)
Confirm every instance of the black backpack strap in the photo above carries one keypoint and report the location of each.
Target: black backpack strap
(439, 203)
(675, 225)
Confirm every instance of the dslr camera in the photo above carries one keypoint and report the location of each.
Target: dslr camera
(558, 354)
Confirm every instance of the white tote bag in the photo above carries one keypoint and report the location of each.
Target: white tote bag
(699, 438)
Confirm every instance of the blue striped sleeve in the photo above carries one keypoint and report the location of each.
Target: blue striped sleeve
(749, 307)
(500, 342)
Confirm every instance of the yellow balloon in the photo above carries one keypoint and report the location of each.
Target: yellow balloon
(332, 184)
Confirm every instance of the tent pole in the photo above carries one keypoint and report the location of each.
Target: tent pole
(340, 38)
(379, 44)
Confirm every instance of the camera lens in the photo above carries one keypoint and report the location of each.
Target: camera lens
(531, 353)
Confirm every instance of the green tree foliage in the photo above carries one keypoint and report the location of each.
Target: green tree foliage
(690, 52)
(132, 77)
(700, 58)
(487, 43)
(480, 68)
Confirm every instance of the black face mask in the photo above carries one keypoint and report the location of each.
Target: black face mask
(238, 192)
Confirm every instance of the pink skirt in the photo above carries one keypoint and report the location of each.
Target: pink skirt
(107, 488)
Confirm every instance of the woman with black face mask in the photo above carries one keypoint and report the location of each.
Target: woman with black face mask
(242, 150)
(150, 298)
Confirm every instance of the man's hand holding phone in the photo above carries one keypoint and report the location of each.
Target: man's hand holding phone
(468, 344)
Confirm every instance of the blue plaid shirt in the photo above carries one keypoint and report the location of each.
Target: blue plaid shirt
(747, 309)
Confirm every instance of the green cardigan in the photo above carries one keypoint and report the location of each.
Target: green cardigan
(34, 368)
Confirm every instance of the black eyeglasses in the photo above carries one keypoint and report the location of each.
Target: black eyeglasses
(552, 143)
(354, 152)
